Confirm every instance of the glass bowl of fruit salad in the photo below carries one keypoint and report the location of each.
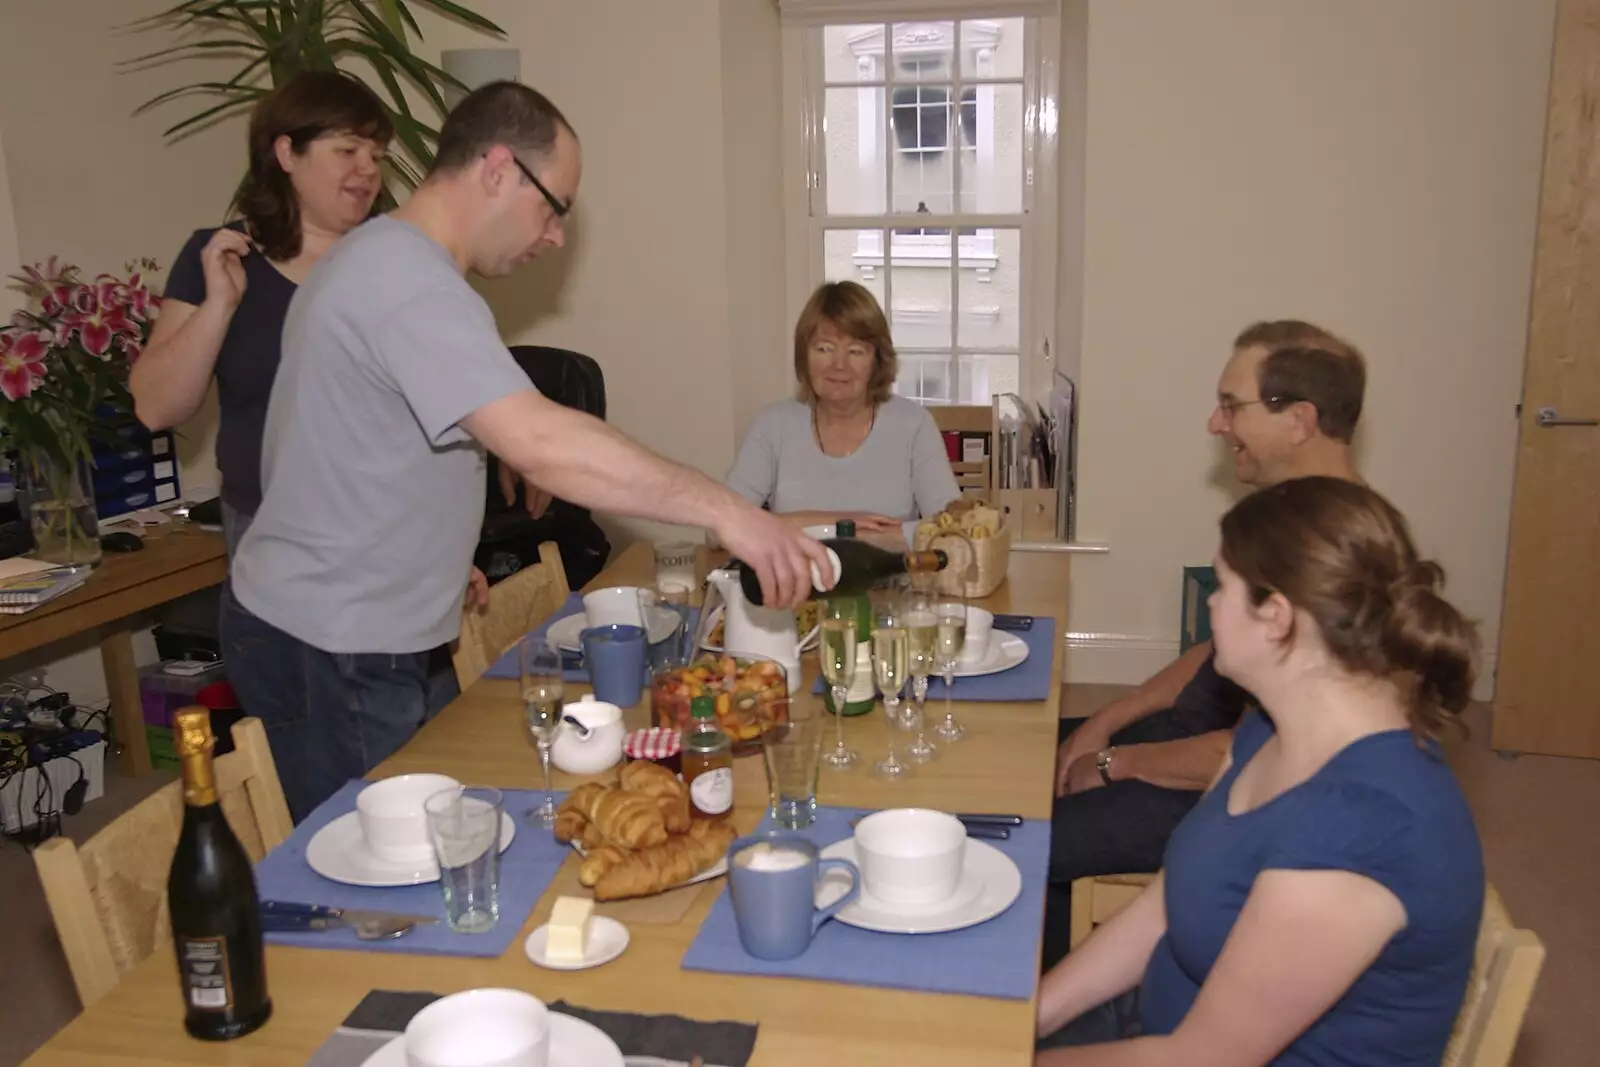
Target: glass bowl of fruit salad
(752, 695)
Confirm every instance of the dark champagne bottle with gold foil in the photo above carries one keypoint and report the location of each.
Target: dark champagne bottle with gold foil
(211, 896)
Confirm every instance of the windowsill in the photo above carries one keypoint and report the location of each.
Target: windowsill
(1077, 548)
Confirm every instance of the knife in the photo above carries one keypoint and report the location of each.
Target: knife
(287, 915)
(991, 820)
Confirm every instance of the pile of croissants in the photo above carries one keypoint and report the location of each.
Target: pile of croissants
(638, 835)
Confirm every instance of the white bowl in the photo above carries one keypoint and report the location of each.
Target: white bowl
(480, 1028)
(910, 855)
(980, 625)
(617, 605)
(391, 815)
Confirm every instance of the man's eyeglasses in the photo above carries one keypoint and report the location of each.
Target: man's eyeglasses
(1228, 405)
(550, 198)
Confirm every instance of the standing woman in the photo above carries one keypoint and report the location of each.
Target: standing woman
(316, 145)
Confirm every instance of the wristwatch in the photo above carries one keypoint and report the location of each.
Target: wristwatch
(1102, 763)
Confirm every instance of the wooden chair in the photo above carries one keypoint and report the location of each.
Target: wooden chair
(109, 898)
(516, 606)
(1096, 899)
(1504, 971)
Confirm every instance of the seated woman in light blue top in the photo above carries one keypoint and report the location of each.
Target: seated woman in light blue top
(848, 448)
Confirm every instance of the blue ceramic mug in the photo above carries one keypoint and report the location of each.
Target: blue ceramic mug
(614, 656)
(772, 878)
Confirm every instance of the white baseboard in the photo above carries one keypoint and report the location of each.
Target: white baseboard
(1128, 659)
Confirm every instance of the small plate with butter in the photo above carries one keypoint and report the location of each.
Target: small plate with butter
(576, 938)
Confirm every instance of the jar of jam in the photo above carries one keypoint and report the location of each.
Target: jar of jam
(659, 744)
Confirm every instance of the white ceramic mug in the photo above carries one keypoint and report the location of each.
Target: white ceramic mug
(617, 605)
(480, 1028)
(980, 627)
(390, 813)
(910, 855)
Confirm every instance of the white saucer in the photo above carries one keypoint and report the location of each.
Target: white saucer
(1005, 651)
(716, 870)
(339, 852)
(573, 1043)
(565, 633)
(607, 939)
(998, 880)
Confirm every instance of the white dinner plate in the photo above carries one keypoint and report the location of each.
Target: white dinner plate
(607, 939)
(573, 1043)
(1005, 651)
(999, 885)
(716, 870)
(339, 852)
(565, 633)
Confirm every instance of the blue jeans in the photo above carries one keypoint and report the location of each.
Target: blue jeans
(330, 717)
(296, 691)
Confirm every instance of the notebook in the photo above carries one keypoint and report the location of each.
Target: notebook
(27, 583)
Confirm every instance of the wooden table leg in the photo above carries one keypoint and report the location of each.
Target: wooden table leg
(127, 712)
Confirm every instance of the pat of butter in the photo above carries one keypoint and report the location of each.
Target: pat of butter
(569, 929)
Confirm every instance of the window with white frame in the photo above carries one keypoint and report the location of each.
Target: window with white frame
(924, 150)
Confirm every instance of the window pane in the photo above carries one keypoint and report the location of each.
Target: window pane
(991, 149)
(854, 139)
(981, 377)
(991, 48)
(854, 256)
(990, 288)
(922, 122)
(919, 293)
(923, 51)
(925, 378)
(852, 53)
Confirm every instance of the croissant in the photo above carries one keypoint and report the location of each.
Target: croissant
(627, 819)
(570, 824)
(599, 862)
(592, 837)
(581, 797)
(661, 867)
(670, 794)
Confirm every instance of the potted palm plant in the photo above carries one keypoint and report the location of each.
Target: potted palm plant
(277, 39)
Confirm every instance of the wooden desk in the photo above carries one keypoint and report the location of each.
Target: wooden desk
(1006, 764)
(176, 561)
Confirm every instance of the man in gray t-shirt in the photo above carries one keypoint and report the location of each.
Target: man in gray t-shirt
(394, 380)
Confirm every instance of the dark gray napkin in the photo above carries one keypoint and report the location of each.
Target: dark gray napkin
(645, 1040)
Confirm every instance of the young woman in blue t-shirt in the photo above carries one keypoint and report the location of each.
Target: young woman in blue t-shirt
(1320, 905)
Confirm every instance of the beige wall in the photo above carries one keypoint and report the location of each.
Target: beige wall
(1368, 165)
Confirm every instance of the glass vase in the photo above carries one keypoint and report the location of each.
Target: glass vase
(59, 501)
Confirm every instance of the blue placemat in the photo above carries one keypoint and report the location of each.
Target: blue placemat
(526, 868)
(999, 958)
(1029, 680)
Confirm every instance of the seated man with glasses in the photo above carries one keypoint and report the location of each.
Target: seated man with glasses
(1287, 406)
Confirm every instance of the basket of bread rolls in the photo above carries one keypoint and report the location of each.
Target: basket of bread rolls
(637, 836)
(977, 538)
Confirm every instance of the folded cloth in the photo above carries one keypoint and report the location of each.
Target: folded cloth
(645, 1040)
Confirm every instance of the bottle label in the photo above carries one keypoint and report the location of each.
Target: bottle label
(838, 570)
(712, 791)
(203, 965)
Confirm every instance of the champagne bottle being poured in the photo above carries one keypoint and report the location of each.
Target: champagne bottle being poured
(857, 567)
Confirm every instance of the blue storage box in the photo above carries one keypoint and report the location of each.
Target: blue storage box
(1198, 584)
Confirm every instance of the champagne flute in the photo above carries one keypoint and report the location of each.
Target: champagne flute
(838, 655)
(922, 626)
(891, 653)
(950, 639)
(542, 690)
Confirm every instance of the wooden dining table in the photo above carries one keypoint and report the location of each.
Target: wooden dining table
(1005, 765)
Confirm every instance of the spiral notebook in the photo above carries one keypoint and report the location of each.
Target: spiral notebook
(27, 583)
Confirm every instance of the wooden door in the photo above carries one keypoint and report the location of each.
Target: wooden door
(1547, 693)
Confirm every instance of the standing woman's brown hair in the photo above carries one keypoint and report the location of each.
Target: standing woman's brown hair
(312, 104)
(1342, 554)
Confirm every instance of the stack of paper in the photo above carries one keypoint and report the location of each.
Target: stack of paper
(26, 583)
